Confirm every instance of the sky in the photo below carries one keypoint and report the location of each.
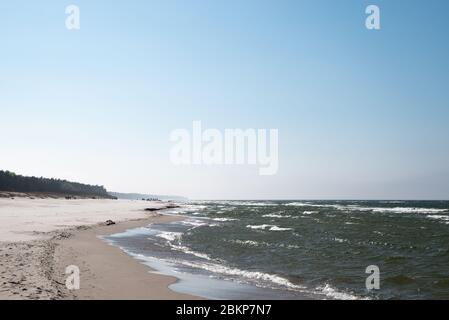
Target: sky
(361, 114)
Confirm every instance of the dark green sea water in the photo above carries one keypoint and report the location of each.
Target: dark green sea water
(312, 249)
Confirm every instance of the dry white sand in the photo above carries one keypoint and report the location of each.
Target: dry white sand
(23, 219)
(40, 237)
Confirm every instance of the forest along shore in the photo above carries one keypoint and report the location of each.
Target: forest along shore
(16, 183)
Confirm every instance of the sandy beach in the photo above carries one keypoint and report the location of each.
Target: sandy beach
(39, 238)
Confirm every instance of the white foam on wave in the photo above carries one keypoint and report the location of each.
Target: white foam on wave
(246, 203)
(195, 223)
(198, 223)
(260, 204)
(276, 228)
(169, 236)
(289, 246)
(189, 251)
(274, 215)
(340, 240)
(224, 219)
(392, 201)
(249, 243)
(259, 227)
(252, 275)
(314, 205)
(408, 210)
(131, 232)
(189, 208)
(267, 226)
(299, 204)
(331, 292)
(326, 290)
(309, 212)
(352, 207)
(441, 218)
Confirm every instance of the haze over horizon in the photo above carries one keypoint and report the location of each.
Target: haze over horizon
(361, 114)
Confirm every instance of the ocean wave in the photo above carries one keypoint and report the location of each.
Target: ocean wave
(274, 215)
(442, 218)
(289, 246)
(261, 204)
(352, 207)
(187, 208)
(340, 240)
(267, 226)
(392, 201)
(224, 219)
(195, 223)
(260, 279)
(189, 251)
(249, 243)
(331, 292)
(251, 275)
(299, 204)
(170, 236)
(315, 205)
(276, 228)
(407, 210)
(262, 226)
(228, 209)
(131, 232)
(246, 203)
(309, 212)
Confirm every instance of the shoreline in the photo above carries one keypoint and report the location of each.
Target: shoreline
(39, 238)
(106, 271)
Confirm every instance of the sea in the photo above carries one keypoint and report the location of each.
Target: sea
(300, 249)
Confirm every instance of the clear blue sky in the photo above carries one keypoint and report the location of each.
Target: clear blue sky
(360, 113)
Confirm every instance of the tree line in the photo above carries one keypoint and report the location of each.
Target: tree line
(9, 181)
